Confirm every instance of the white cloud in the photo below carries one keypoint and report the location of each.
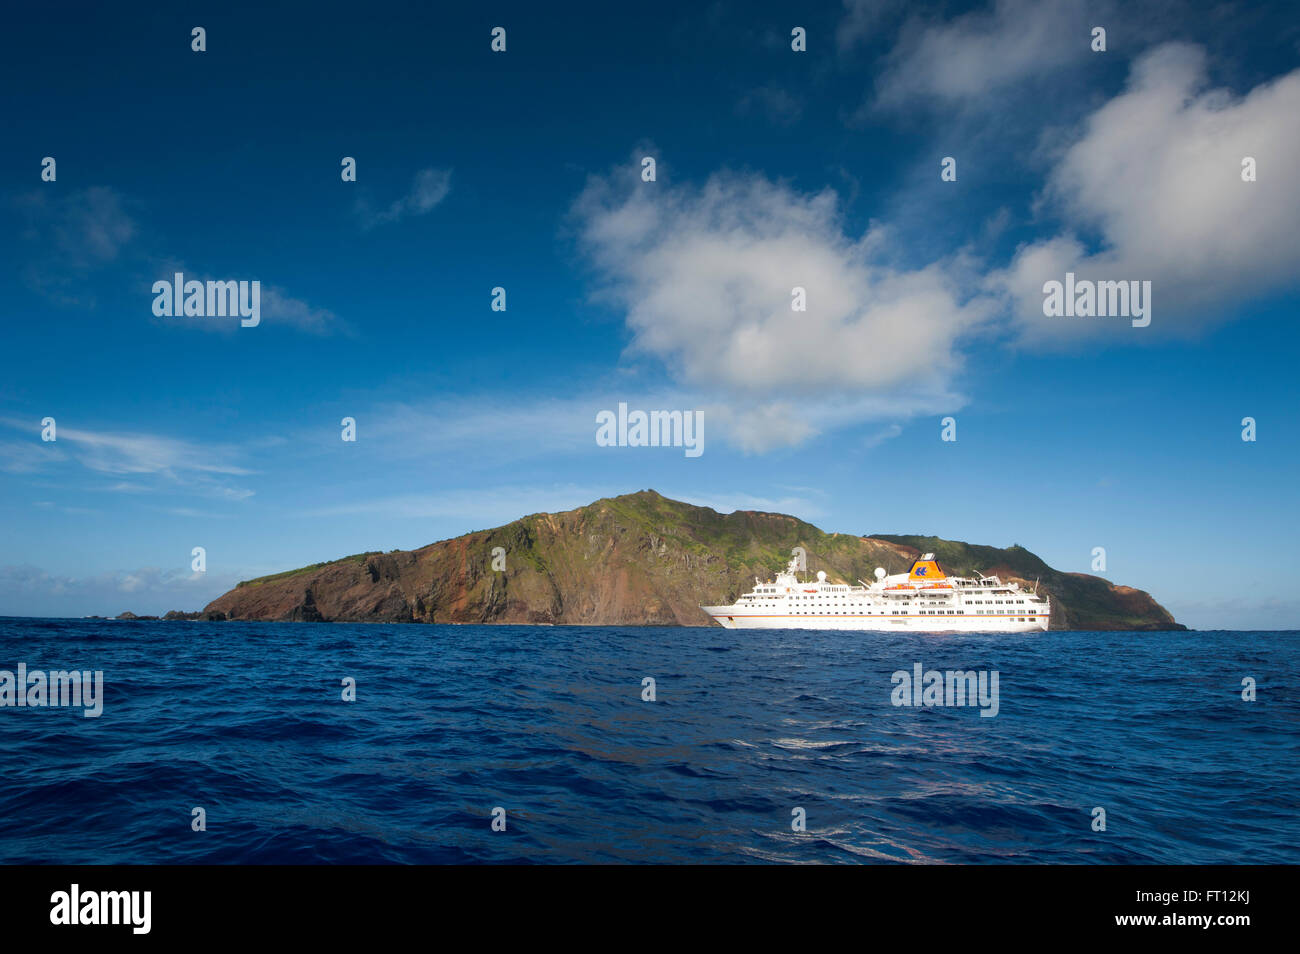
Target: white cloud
(1152, 189)
(430, 187)
(706, 274)
(978, 53)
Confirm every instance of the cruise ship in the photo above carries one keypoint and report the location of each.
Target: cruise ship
(924, 599)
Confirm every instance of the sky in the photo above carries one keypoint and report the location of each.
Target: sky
(523, 169)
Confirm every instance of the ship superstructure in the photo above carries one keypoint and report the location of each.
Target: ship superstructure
(924, 598)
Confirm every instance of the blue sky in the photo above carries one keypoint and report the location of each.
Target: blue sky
(775, 169)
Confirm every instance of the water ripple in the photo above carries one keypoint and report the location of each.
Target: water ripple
(246, 720)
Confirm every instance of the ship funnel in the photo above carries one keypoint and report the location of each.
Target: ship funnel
(925, 568)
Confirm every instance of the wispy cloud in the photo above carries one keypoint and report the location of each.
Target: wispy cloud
(87, 227)
(201, 469)
(430, 187)
(28, 457)
(280, 308)
(62, 508)
(146, 590)
(778, 105)
(480, 507)
(493, 506)
(862, 20)
(972, 57)
(496, 426)
(69, 236)
(885, 434)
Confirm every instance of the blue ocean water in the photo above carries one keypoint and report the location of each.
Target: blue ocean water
(246, 720)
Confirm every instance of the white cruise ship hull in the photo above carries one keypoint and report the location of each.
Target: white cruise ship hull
(730, 617)
(925, 599)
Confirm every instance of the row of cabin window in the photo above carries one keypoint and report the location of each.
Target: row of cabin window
(1021, 619)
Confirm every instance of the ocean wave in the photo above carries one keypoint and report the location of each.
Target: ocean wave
(451, 723)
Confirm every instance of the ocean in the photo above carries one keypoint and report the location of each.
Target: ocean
(750, 734)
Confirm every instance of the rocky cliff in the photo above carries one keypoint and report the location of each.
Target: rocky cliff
(638, 559)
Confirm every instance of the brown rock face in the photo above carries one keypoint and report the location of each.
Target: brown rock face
(638, 559)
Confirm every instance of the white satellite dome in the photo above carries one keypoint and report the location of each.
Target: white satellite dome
(880, 573)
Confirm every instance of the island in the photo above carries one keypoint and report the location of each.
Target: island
(638, 559)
